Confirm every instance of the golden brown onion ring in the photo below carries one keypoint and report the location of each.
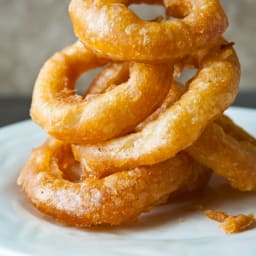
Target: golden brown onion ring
(71, 118)
(209, 93)
(117, 73)
(224, 147)
(112, 200)
(106, 78)
(114, 31)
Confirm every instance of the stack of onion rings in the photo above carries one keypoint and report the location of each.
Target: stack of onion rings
(137, 136)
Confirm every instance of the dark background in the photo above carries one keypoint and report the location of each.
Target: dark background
(14, 109)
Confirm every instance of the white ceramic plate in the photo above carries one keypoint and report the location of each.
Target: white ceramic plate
(167, 230)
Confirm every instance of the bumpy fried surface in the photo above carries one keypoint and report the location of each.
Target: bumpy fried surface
(114, 31)
(71, 118)
(115, 199)
(227, 155)
(224, 147)
(209, 93)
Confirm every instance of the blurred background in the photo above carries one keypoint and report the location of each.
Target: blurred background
(32, 30)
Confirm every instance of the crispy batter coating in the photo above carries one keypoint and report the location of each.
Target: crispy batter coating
(227, 154)
(117, 73)
(209, 93)
(71, 118)
(52, 183)
(114, 31)
(224, 147)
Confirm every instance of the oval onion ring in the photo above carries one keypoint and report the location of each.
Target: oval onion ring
(114, 31)
(113, 200)
(71, 118)
(208, 94)
(107, 78)
(224, 147)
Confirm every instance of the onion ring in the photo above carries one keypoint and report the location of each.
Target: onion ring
(212, 90)
(224, 147)
(112, 200)
(71, 118)
(114, 31)
(107, 78)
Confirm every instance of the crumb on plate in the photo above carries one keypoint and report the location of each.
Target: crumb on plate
(232, 223)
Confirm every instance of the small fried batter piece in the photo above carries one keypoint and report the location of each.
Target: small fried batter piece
(232, 223)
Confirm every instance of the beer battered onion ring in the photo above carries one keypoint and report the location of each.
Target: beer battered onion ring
(208, 94)
(113, 200)
(71, 118)
(107, 77)
(114, 31)
(231, 149)
(224, 147)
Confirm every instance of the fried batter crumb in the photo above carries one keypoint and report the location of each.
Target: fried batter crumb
(232, 223)
(216, 215)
